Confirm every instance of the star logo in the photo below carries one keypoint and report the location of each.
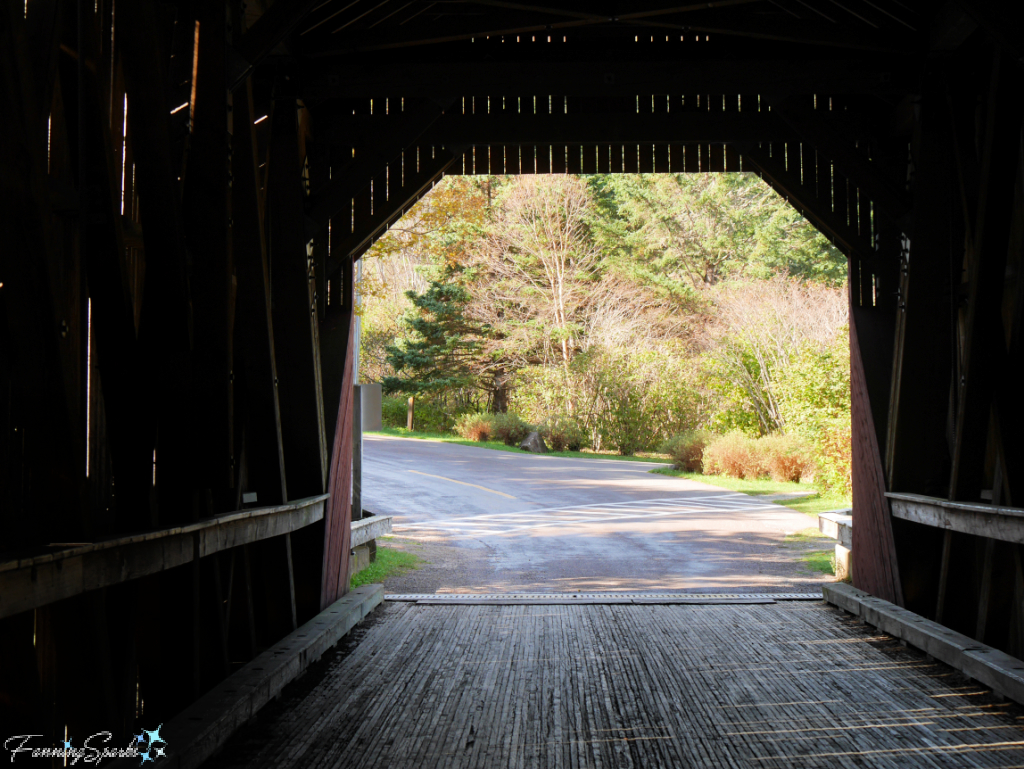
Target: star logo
(67, 745)
(148, 739)
(154, 736)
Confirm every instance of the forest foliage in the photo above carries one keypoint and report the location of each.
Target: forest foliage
(616, 312)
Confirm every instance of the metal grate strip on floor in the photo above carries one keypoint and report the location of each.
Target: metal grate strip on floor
(504, 599)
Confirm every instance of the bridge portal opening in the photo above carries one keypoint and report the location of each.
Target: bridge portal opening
(693, 324)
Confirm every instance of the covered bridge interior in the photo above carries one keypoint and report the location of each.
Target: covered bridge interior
(184, 187)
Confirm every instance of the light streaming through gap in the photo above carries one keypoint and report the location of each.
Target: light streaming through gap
(88, 380)
(124, 149)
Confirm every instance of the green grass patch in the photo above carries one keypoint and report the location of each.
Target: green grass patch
(401, 432)
(821, 561)
(818, 561)
(754, 487)
(819, 502)
(805, 535)
(388, 563)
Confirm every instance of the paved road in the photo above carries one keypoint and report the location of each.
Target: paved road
(513, 521)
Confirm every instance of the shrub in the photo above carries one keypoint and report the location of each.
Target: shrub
(394, 412)
(734, 454)
(835, 457)
(430, 414)
(564, 433)
(509, 428)
(625, 422)
(474, 427)
(687, 450)
(786, 456)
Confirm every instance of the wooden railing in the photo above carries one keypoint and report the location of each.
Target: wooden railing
(70, 569)
(981, 520)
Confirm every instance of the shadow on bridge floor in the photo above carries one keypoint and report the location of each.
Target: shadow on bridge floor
(794, 684)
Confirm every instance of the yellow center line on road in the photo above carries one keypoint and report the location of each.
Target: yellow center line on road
(482, 488)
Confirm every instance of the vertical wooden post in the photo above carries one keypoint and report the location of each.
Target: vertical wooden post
(984, 345)
(409, 415)
(940, 603)
(206, 208)
(338, 516)
(874, 553)
(264, 449)
(291, 578)
(295, 328)
(917, 456)
(357, 448)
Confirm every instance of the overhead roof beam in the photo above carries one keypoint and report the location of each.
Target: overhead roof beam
(804, 32)
(847, 159)
(1004, 22)
(606, 78)
(266, 33)
(370, 159)
(604, 128)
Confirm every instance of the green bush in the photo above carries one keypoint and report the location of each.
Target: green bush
(430, 415)
(687, 450)
(563, 433)
(625, 422)
(394, 412)
(474, 427)
(787, 457)
(509, 428)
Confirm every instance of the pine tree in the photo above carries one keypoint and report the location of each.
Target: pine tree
(441, 346)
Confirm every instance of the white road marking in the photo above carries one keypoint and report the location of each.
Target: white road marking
(524, 520)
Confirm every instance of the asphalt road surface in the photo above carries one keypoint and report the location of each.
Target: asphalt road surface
(496, 521)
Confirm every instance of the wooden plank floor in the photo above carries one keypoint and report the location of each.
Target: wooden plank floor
(783, 685)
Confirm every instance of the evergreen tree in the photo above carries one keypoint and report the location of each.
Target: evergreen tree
(441, 345)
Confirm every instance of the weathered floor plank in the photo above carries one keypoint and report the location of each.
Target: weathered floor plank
(784, 685)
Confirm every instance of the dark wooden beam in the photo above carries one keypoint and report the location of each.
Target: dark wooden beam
(295, 321)
(917, 456)
(206, 209)
(325, 79)
(849, 160)
(951, 26)
(255, 342)
(1010, 417)
(371, 158)
(165, 341)
(603, 128)
(985, 341)
(44, 436)
(369, 228)
(817, 210)
(270, 29)
(117, 353)
(810, 32)
(1003, 22)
